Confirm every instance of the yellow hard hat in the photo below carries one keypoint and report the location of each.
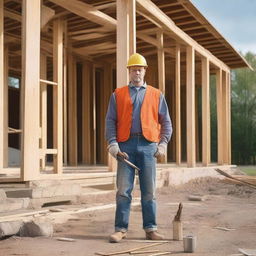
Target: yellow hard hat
(137, 60)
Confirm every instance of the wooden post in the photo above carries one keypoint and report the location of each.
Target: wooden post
(161, 62)
(132, 25)
(2, 98)
(65, 98)
(177, 97)
(229, 116)
(123, 43)
(30, 88)
(6, 106)
(72, 111)
(190, 89)
(206, 137)
(94, 123)
(86, 120)
(225, 117)
(43, 112)
(57, 94)
(219, 115)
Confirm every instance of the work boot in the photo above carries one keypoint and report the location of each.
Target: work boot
(153, 235)
(117, 237)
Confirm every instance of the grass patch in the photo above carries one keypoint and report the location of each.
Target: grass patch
(249, 170)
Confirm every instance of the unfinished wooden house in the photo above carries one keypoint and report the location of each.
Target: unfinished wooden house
(60, 60)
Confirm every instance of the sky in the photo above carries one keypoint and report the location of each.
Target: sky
(234, 19)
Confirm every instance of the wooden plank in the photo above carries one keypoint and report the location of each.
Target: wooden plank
(206, 137)
(132, 25)
(88, 12)
(30, 88)
(177, 104)
(72, 111)
(190, 89)
(2, 88)
(48, 82)
(86, 120)
(57, 94)
(149, 8)
(43, 108)
(122, 47)
(219, 116)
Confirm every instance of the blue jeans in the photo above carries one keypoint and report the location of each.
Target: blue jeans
(141, 153)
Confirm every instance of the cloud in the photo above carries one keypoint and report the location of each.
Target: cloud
(233, 19)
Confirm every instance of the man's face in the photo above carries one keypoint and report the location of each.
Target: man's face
(137, 74)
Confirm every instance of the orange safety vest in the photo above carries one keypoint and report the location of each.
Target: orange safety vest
(149, 114)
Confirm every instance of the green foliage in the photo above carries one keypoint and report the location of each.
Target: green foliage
(243, 113)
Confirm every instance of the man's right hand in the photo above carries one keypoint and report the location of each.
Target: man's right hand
(113, 149)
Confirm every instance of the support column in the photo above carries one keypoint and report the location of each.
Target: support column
(57, 94)
(206, 136)
(177, 97)
(2, 98)
(86, 120)
(123, 42)
(72, 111)
(219, 116)
(161, 62)
(30, 88)
(190, 89)
(43, 112)
(6, 106)
(132, 25)
(225, 117)
(229, 116)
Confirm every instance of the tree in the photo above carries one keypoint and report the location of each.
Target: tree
(243, 113)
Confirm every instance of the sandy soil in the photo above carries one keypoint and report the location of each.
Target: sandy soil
(227, 205)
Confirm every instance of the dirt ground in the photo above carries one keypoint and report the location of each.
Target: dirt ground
(227, 205)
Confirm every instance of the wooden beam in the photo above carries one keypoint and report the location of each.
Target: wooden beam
(12, 14)
(190, 90)
(149, 8)
(225, 117)
(93, 110)
(43, 108)
(229, 116)
(161, 61)
(46, 15)
(132, 26)
(72, 111)
(177, 105)
(206, 137)
(30, 88)
(122, 47)
(58, 30)
(88, 12)
(219, 116)
(86, 117)
(2, 87)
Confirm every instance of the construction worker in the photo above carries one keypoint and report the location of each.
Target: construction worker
(138, 128)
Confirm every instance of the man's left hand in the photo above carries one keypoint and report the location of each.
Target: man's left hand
(161, 150)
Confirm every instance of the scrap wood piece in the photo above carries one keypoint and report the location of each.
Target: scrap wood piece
(247, 252)
(65, 239)
(141, 252)
(128, 251)
(160, 253)
(196, 198)
(224, 228)
(178, 214)
(233, 178)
